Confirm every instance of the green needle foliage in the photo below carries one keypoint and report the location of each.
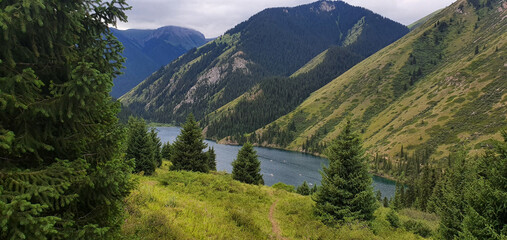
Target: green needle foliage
(471, 198)
(156, 147)
(346, 192)
(141, 146)
(61, 171)
(304, 189)
(167, 151)
(246, 167)
(486, 213)
(188, 148)
(212, 159)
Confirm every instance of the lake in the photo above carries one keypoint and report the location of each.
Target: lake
(277, 165)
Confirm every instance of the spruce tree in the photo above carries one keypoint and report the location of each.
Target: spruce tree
(167, 151)
(448, 197)
(156, 146)
(385, 203)
(346, 191)
(212, 161)
(397, 200)
(378, 195)
(61, 171)
(314, 189)
(139, 146)
(303, 189)
(486, 212)
(188, 148)
(246, 167)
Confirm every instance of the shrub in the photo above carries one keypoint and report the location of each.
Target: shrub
(417, 227)
(393, 219)
(283, 186)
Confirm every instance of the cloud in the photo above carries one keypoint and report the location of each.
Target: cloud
(214, 17)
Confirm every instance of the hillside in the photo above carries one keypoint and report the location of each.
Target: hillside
(421, 21)
(147, 50)
(274, 42)
(277, 96)
(187, 205)
(443, 83)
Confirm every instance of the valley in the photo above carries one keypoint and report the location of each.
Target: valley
(303, 120)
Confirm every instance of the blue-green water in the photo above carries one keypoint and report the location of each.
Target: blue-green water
(277, 165)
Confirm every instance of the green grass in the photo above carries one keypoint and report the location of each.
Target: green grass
(156, 124)
(188, 205)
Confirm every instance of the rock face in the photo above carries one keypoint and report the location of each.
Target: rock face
(274, 42)
(148, 50)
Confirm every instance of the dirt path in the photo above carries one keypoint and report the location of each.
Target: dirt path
(274, 224)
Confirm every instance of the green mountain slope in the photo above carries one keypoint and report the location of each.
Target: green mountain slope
(443, 83)
(275, 97)
(421, 21)
(274, 42)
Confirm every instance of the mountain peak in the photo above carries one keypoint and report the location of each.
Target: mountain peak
(326, 6)
(273, 42)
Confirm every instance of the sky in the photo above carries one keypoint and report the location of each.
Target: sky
(214, 17)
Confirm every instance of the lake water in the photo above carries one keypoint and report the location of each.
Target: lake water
(277, 165)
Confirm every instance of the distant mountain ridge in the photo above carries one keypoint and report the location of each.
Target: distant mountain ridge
(147, 50)
(273, 42)
(441, 85)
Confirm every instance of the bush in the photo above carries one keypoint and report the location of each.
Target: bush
(393, 219)
(418, 228)
(283, 186)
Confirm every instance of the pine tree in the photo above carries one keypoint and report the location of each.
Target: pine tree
(140, 146)
(212, 159)
(61, 171)
(385, 203)
(378, 195)
(346, 190)
(188, 148)
(398, 197)
(303, 189)
(167, 151)
(448, 198)
(246, 167)
(486, 212)
(314, 189)
(156, 146)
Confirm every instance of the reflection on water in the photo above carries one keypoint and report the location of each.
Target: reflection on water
(277, 165)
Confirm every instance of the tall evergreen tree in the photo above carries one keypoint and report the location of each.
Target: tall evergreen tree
(188, 148)
(303, 189)
(448, 198)
(398, 199)
(156, 146)
(346, 190)
(385, 203)
(246, 167)
(212, 159)
(139, 146)
(61, 172)
(167, 151)
(486, 214)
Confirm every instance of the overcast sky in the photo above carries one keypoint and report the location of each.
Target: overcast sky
(214, 17)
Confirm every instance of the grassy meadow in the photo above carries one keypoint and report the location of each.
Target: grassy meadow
(189, 205)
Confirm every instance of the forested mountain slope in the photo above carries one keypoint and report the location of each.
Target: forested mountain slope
(148, 50)
(443, 83)
(277, 96)
(274, 42)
